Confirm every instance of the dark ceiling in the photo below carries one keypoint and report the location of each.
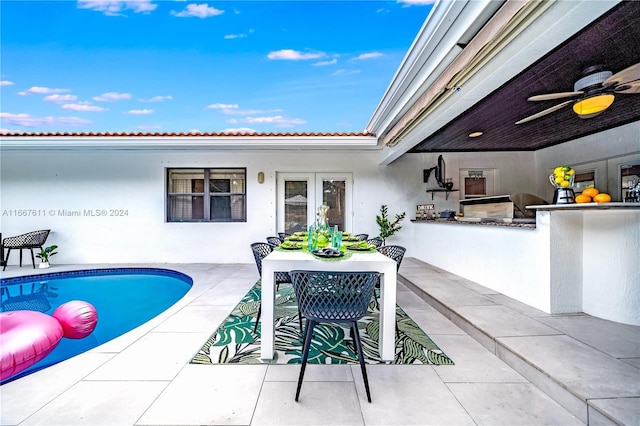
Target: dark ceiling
(613, 40)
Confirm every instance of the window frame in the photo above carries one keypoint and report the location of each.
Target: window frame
(207, 195)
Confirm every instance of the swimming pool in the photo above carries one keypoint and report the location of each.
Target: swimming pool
(124, 298)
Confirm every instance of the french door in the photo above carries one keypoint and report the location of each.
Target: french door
(300, 194)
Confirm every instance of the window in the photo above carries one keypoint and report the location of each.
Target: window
(222, 199)
(584, 180)
(475, 183)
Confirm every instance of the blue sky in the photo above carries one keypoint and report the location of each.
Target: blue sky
(181, 66)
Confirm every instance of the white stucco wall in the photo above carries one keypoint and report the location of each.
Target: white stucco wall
(611, 265)
(511, 261)
(50, 182)
(603, 152)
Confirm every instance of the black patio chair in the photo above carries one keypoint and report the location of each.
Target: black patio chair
(283, 235)
(376, 241)
(28, 241)
(274, 241)
(362, 237)
(394, 252)
(260, 251)
(333, 297)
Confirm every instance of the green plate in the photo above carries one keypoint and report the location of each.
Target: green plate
(356, 248)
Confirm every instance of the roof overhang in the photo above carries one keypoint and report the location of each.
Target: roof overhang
(532, 38)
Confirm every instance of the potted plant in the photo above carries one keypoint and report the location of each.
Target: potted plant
(388, 228)
(44, 255)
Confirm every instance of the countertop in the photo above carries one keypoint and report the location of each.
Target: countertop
(455, 222)
(587, 206)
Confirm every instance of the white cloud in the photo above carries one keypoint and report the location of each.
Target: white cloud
(42, 91)
(222, 106)
(407, 3)
(239, 130)
(60, 98)
(83, 107)
(345, 72)
(234, 36)
(139, 112)
(157, 99)
(246, 111)
(293, 55)
(370, 55)
(198, 11)
(325, 63)
(112, 96)
(278, 120)
(6, 83)
(27, 121)
(234, 109)
(241, 35)
(116, 7)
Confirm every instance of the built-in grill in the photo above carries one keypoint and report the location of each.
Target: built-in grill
(500, 208)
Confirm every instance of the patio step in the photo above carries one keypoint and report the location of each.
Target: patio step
(589, 366)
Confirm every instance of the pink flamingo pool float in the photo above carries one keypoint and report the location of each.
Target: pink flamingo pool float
(26, 337)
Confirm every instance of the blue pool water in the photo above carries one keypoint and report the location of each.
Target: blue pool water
(124, 298)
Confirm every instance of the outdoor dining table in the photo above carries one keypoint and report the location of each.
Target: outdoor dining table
(285, 261)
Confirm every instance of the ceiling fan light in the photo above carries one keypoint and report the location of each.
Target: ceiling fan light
(593, 104)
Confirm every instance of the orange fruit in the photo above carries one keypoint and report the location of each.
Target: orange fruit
(583, 199)
(590, 192)
(602, 198)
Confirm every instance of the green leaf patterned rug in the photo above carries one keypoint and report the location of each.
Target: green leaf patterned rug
(235, 343)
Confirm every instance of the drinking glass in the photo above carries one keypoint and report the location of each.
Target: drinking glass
(337, 239)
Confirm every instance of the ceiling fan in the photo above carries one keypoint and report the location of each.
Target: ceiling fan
(593, 92)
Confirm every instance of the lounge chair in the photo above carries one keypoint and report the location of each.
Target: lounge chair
(28, 241)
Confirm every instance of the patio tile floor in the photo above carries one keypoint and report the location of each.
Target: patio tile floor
(144, 377)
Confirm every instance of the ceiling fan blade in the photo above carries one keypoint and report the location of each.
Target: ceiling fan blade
(551, 96)
(626, 75)
(628, 88)
(545, 112)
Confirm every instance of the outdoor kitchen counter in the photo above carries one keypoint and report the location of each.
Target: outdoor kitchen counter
(575, 258)
(456, 222)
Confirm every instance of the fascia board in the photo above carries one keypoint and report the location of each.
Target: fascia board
(435, 47)
(23, 143)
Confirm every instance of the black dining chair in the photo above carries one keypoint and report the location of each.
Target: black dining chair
(283, 235)
(274, 241)
(260, 251)
(376, 241)
(394, 252)
(333, 297)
